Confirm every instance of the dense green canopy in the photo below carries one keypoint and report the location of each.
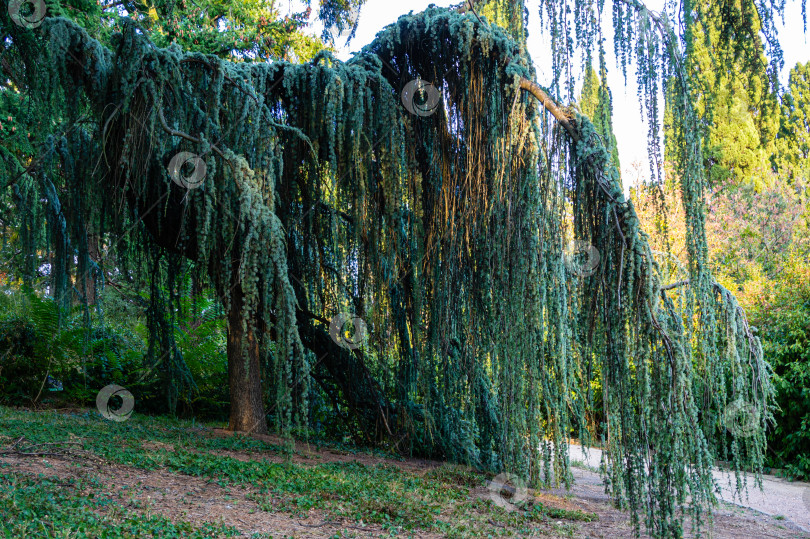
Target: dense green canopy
(500, 270)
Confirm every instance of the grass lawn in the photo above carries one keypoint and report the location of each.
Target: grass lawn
(159, 477)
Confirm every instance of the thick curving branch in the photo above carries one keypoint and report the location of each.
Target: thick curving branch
(551, 106)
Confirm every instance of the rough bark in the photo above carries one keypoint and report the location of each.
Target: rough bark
(551, 106)
(244, 372)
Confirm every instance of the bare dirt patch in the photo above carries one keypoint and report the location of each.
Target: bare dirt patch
(310, 454)
(184, 498)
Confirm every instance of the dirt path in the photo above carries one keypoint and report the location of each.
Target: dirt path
(778, 497)
(730, 521)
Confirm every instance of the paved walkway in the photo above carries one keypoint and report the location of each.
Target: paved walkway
(790, 499)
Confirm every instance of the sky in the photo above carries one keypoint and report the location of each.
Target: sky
(629, 125)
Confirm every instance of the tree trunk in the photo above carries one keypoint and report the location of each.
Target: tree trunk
(244, 372)
(95, 255)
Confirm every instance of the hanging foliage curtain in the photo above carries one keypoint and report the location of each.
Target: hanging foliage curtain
(443, 223)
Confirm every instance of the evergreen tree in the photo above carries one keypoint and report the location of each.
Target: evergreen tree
(596, 103)
(421, 188)
(792, 156)
(736, 89)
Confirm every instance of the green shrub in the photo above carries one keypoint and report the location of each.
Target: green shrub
(21, 369)
(36, 342)
(785, 323)
(30, 348)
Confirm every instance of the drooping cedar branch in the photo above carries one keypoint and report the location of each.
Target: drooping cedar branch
(550, 105)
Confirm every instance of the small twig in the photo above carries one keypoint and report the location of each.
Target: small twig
(38, 450)
(181, 134)
(321, 525)
(675, 285)
(35, 454)
(175, 133)
(44, 380)
(195, 140)
(468, 6)
(56, 443)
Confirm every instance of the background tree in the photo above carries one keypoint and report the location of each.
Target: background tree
(792, 153)
(736, 88)
(596, 103)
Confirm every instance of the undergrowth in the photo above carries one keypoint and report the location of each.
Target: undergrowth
(52, 507)
(451, 500)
